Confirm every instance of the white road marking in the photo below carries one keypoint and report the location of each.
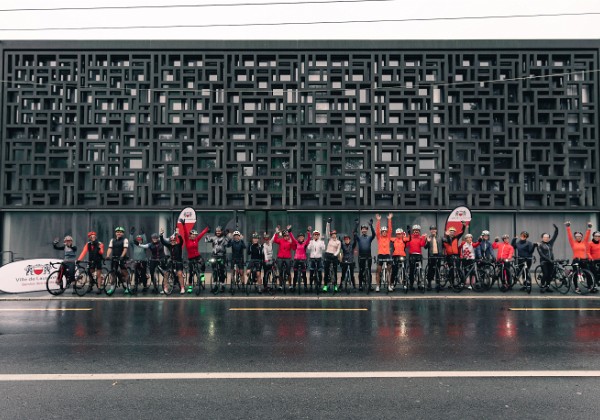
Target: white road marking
(43, 309)
(300, 375)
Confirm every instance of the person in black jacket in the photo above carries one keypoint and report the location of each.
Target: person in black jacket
(524, 252)
(175, 246)
(546, 254)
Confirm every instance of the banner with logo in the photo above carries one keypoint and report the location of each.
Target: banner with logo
(26, 275)
(457, 217)
(189, 215)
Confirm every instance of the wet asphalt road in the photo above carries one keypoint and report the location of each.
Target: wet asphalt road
(221, 335)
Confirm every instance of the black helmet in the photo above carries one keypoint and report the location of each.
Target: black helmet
(433, 227)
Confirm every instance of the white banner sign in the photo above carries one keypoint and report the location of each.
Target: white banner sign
(26, 275)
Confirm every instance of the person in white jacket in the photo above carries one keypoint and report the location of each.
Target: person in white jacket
(334, 247)
(314, 251)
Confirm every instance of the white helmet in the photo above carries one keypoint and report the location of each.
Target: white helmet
(468, 235)
(416, 227)
(485, 232)
(384, 228)
(399, 230)
(68, 238)
(237, 232)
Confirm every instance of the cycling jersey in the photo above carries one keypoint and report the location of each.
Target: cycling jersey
(176, 249)
(191, 245)
(268, 250)
(484, 250)
(545, 248)
(399, 245)
(505, 251)
(94, 248)
(467, 250)
(285, 247)
(219, 244)
(348, 252)
(364, 243)
(416, 244)
(594, 250)
(300, 248)
(118, 245)
(157, 250)
(70, 251)
(315, 248)
(383, 242)
(451, 243)
(523, 248)
(255, 252)
(137, 253)
(237, 249)
(579, 248)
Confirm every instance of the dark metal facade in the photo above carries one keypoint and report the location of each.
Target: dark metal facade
(307, 125)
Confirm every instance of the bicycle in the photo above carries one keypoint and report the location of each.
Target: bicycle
(315, 274)
(139, 275)
(87, 278)
(418, 277)
(481, 271)
(236, 280)
(384, 280)
(505, 274)
(58, 280)
(299, 275)
(196, 276)
(365, 274)
(400, 277)
(523, 276)
(456, 275)
(254, 267)
(438, 265)
(560, 276)
(114, 278)
(219, 275)
(584, 279)
(347, 279)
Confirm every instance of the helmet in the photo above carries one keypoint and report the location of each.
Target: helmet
(525, 234)
(316, 232)
(333, 232)
(285, 232)
(346, 236)
(468, 235)
(154, 236)
(578, 233)
(68, 238)
(384, 228)
(193, 232)
(485, 232)
(237, 232)
(218, 228)
(505, 236)
(433, 227)
(120, 229)
(139, 237)
(452, 229)
(399, 230)
(416, 227)
(255, 235)
(266, 236)
(300, 234)
(364, 227)
(92, 233)
(596, 233)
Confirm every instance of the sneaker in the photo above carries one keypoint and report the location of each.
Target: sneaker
(182, 291)
(190, 289)
(201, 278)
(126, 292)
(360, 288)
(390, 289)
(325, 288)
(377, 289)
(578, 291)
(470, 287)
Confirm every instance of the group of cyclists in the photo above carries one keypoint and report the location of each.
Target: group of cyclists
(306, 261)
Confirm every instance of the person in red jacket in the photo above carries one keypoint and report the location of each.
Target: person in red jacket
(504, 255)
(579, 245)
(415, 253)
(284, 253)
(191, 240)
(594, 254)
(95, 249)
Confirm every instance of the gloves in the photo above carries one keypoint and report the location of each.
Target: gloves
(329, 219)
(371, 222)
(208, 227)
(182, 221)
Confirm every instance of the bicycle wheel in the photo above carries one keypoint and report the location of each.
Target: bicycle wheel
(156, 281)
(585, 281)
(458, 279)
(54, 286)
(82, 282)
(197, 283)
(420, 280)
(168, 282)
(110, 283)
(133, 282)
(562, 281)
(99, 282)
(486, 276)
(442, 274)
(538, 274)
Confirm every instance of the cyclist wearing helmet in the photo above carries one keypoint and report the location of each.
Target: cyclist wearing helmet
(69, 259)
(415, 243)
(451, 248)
(364, 242)
(237, 246)
(334, 247)
(268, 259)
(95, 249)
(192, 240)
(118, 248)
(139, 257)
(175, 247)
(383, 246)
(434, 249)
(219, 254)
(284, 253)
(315, 250)
(256, 256)
(399, 253)
(524, 252)
(579, 246)
(546, 253)
(484, 250)
(467, 253)
(157, 255)
(299, 245)
(348, 258)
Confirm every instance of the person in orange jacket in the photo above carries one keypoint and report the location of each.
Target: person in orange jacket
(505, 253)
(594, 254)
(95, 249)
(384, 243)
(399, 255)
(579, 246)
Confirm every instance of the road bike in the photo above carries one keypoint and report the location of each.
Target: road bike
(59, 280)
(299, 274)
(456, 276)
(582, 278)
(384, 276)
(479, 274)
(365, 274)
(140, 276)
(522, 276)
(347, 280)
(418, 277)
(196, 277)
(560, 276)
(87, 278)
(219, 274)
(399, 264)
(437, 264)
(236, 280)
(316, 266)
(114, 278)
